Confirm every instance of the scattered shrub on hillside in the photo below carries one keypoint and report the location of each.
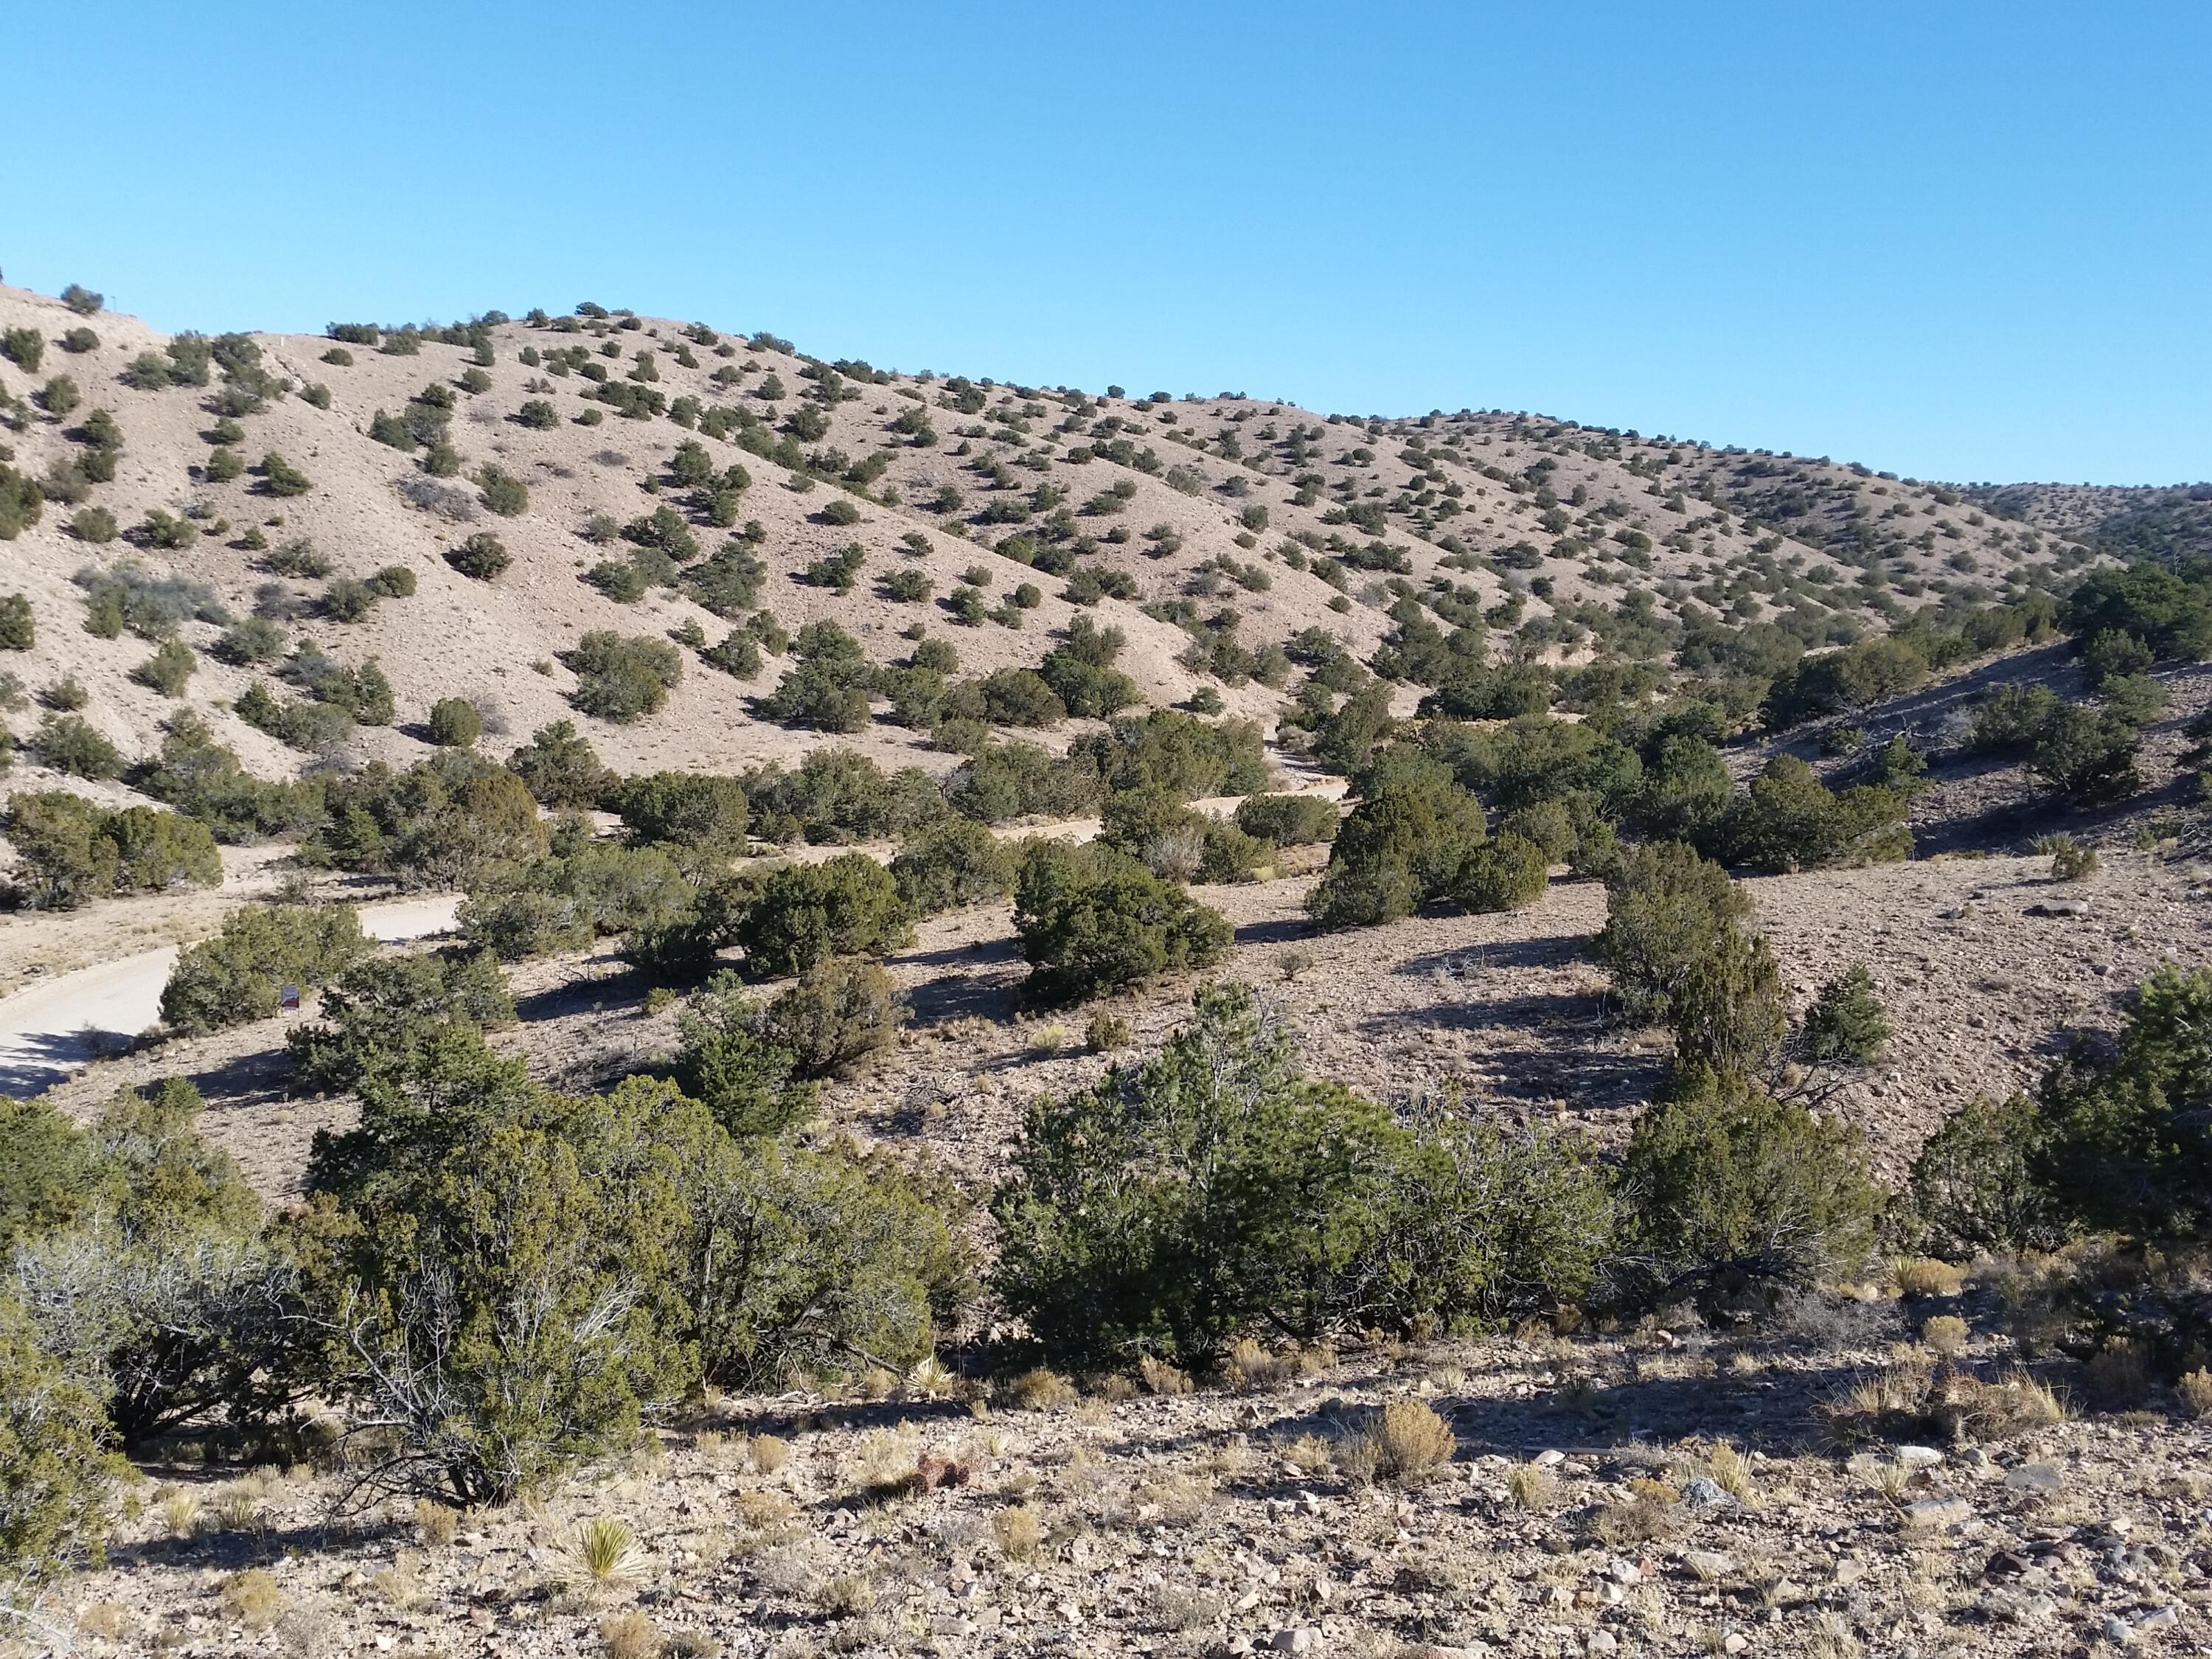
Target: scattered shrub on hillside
(1216, 1192)
(503, 492)
(481, 555)
(1666, 909)
(748, 1081)
(1289, 820)
(955, 862)
(237, 976)
(1093, 920)
(623, 678)
(1406, 843)
(72, 850)
(806, 914)
(686, 808)
(1788, 820)
(1731, 1193)
(839, 1013)
(281, 479)
(561, 769)
(18, 627)
(70, 743)
(56, 1468)
(454, 723)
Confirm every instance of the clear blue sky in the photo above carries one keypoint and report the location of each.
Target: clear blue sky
(1968, 242)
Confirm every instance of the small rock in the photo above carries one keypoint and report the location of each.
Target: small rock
(2033, 1477)
(1918, 1457)
(1734, 1642)
(1938, 1512)
(1602, 1642)
(1306, 1638)
(2165, 1617)
(1549, 1459)
(1707, 1493)
(1240, 1645)
(2118, 1631)
(1710, 1566)
(1623, 1572)
(2059, 908)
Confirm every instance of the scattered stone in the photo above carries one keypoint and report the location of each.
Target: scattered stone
(2034, 1478)
(2118, 1631)
(1548, 1459)
(1935, 1513)
(1734, 1643)
(1710, 1566)
(1602, 1642)
(1918, 1457)
(2059, 908)
(1707, 1493)
(1306, 1638)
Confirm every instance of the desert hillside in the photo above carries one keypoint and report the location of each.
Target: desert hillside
(1184, 521)
(665, 997)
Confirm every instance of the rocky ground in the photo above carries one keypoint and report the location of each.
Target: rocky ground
(1667, 1491)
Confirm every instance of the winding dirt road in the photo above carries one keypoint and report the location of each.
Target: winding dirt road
(50, 1031)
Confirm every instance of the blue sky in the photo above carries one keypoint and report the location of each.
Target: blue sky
(1962, 241)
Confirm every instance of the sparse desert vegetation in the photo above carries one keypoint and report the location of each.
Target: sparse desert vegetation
(1218, 1027)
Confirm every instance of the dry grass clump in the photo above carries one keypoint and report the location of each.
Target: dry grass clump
(929, 1377)
(1945, 1334)
(630, 1635)
(1967, 1409)
(1645, 1517)
(1160, 1377)
(2195, 1391)
(242, 1506)
(1731, 1471)
(179, 1511)
(1251, 1366)
(1038, 1389)
(767, 1453)
(253, 1597)
(2119, 1373)
(1925, 1275)
(1405, 1444)
(1912, 1399)
(1533, 1487)
(846, 1595)
(604, 1552)
(1019, 1531)
(1309, 1454)
(434, 1523)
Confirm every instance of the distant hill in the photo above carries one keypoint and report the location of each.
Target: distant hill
(2170, 524)
(1208, 530)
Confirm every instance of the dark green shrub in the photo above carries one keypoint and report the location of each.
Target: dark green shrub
(1093, 920)
(69, 744)
(503, 492)
(280, 477)
(24, 347)
(728, 583)
(1847, 1025)
(382, 1016)
(223, 465)
(82, 300)
(203, 780)
(1790, 820)
(2086, 755)
(839, 1014)
(237, 975)
(18, 628)
(59, 396)
(78, 341)
(73, 851)
(393, 582)
(686, 808)
(2012, 719)
(169, 670)
(1005, 781)
(1730, 1192)
(623, 678)
(561, 769)
(455, 723)
(1506, 873)
(1404, 844)
(1289, 820)
(1217, 1192)
(954, 863)
(1666, 910)
(807, 913)
(481, 555)
(2119, 1144)
(21, 502)
(749, 1082)
(1975, 1187)
(95, 525)
(738, 655)
(2110, 654)
(348, 600)
(1019, 696)
(2169, 612)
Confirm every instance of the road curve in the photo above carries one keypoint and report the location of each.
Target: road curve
(50, 1032)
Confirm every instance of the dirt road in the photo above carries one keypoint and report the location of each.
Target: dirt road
(50, 1031)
